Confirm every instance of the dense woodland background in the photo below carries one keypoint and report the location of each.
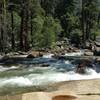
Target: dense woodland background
(26, 24)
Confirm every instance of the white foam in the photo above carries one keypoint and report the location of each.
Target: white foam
(80, 53)
(7, 68)
(15, 81)
(67, 62)
(46, 78)
(90, 74)
(48, 55)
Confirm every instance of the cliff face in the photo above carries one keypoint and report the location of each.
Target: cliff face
(73, 90)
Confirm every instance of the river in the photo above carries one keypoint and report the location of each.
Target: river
(28, 75)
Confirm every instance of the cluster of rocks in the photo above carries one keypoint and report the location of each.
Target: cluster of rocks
(93, 47)
(63, 47)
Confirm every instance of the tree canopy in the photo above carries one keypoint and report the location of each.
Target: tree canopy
(26, 24)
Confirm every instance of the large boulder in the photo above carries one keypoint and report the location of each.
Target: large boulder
(98, 39)
(97, 51)
(83, 65)
(87, 45)
(97, 44)
(98, 60)
(4, 58)
(89, 53)
(35, 54)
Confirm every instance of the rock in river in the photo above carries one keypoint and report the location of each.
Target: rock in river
(35, 54)
(89, 53)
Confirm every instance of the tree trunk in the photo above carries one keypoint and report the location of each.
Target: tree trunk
(12, 24)
(21, 32)
(31, 29)
(83, 23)
(87, 25)
(24, 42)
(3, 22)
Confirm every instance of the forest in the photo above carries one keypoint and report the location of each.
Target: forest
(34, 24)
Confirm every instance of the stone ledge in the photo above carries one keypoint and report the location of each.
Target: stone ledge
(72, 90)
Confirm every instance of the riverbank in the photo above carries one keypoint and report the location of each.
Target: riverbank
(83, 90)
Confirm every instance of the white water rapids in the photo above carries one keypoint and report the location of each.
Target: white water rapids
(46, 78)
(14, 76)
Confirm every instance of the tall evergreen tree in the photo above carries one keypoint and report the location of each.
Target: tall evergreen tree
(89, 17)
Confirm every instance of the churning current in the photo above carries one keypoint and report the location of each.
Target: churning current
(29, 74)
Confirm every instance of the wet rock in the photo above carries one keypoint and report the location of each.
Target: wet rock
(76, 50)
(44, 65)
(1, 56)
(98, 60)
(97, 51)
(87, 44)
(89, 53)
(96, 47)
(59, 56)
(22, 53)
(97, 44)
(12, 53)
(84, 63)
(4, 58)
(70, 49)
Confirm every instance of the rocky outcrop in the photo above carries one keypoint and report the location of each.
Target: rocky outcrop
(82, 90)
(35, 54)
(58, 95)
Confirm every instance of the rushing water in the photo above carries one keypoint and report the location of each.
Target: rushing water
(28, 73)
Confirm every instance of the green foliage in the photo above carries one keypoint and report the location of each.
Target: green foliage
(97, 33)
(76, 36)
(43, 21)
(17, 21)
(50, 31)
(45, 31)
(37, 28)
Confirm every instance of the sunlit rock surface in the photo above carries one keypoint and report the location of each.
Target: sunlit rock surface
(73, 90)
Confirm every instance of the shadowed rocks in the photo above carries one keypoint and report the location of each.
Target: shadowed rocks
(85, 63)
